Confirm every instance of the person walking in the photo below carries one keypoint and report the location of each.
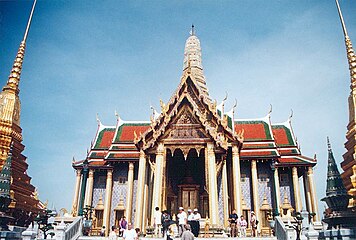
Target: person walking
(157, 222)
(112, 235)
(182, 220)
(122, 225)
(253, 223)
(243, 226)
(233, 221)
(196, 222)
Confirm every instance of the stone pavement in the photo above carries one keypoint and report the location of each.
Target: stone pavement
(215, 238)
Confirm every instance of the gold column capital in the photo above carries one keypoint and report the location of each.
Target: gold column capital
(79, 172)
(254, 164)
(91, 173)
(131, 165)
(142, 154)
(160, 149)
(310, 171)
(235, 149)
(109, 173)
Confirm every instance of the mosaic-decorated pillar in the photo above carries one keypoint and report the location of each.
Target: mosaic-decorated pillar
(313, 194)
(130, 183)
(277, 191)
(256, 205)
(140, 189)
(298, 202)
(213, 193)
(107, 205)
(236, 179)
(76, 194)
(158, 179)
(225, 195)
(89, 191)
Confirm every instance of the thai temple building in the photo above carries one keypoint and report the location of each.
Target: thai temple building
(349, 163)
(195, 155)
(23, 193)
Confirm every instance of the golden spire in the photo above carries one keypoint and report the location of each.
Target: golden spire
(349, 49)
(14, 78)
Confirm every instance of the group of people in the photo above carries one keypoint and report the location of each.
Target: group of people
(124, 230)
(188, 223)
(238, 225)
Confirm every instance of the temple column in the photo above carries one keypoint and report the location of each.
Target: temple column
(83, 187)
(89, 191)
(225, 195)
(307, 194)
(107, 205)
(140, 189)
(277, 191)
(236, 179)
(130, 183)
(256, 205)
(298, 202)
(158, 179)
(213, 187)
(313, 194)
(76, 194)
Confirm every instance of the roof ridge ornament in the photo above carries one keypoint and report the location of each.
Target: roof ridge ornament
(192, 31)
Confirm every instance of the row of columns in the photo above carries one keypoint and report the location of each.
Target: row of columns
(88, 188)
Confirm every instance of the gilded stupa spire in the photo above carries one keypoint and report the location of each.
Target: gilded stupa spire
(349, 49)
(193, 60)
(14, 77)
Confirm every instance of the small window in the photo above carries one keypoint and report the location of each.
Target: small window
(284, 178)
(243, 178)
(121, 180)
(263, 178)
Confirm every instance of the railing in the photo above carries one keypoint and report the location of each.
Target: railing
(74, 230)
(283, 231)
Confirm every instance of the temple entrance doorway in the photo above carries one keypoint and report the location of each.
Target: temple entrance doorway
(186, 181)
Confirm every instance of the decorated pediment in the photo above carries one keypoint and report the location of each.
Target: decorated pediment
(190, 117)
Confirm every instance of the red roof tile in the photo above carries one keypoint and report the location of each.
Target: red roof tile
(254, 130)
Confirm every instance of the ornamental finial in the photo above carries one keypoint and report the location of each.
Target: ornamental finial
(341, 18)
(328, 142)
(192, 31)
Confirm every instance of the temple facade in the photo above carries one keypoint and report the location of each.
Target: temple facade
(195, 155)
(23, 193)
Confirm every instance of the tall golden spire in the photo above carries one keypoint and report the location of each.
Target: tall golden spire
(14, 77)
(10, 105)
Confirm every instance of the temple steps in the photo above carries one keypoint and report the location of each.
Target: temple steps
(211, 238)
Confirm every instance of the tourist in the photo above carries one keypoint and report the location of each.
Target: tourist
(166, 218)
(190, 218)
(253, 223)
(112, 235)
(122, 225)
(182, 221)
(157, 222)
(233, 221)
(243, 226)
(196, 222)
(129, 233)
(187, 234)
(102, 231)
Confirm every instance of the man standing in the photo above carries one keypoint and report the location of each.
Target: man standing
(182, 221)
(196, 222)
(233, 221)
(157, 222)
(253, 223)
(190, 218)
(166, 218)
(130, 233)
(243, 225)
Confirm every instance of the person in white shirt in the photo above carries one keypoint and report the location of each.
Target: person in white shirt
(182, 221)
(196, 223)
(157, 222)
(129, 233)
(243, 226)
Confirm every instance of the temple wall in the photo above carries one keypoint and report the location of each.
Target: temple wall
(119, 190)
(99, 187)
(264, 175)
(246, 182)
(286, 186)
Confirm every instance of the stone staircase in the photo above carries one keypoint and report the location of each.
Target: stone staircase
(144, 238)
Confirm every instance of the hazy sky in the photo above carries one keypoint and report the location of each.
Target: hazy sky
(88, 57)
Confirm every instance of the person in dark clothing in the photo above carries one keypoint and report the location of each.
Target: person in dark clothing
(233, 222)
(166, 219)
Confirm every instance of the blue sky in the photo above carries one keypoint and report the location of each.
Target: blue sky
(88, 57)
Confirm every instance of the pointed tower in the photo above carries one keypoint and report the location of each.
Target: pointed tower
(11, 132)
(193, 60)
(336, 198)
(350, 145)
